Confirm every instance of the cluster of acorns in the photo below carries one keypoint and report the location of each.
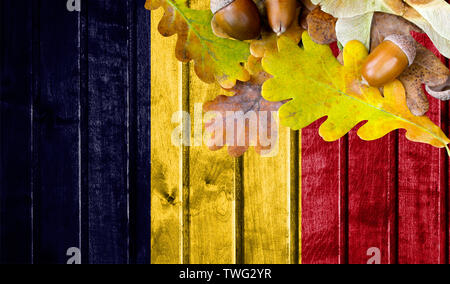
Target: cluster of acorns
(241, 20)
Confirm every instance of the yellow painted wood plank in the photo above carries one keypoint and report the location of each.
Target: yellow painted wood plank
(267, 195)
(166, 197)
(195, 215)
(211, 196)
(211, 185)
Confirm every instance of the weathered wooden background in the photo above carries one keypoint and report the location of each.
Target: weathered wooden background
(79, 167)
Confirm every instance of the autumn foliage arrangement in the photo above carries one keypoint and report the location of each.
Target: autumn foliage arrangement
(275, 55)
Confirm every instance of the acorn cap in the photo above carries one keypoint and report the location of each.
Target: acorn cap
(406, 43)
(217, 5)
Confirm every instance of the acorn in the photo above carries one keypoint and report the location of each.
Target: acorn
(238, 19)
(388, 60)
(281, 14)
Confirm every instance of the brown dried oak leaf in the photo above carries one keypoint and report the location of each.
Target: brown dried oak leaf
(427, 68)
(321, 26)
(215, 58)
(243, 120)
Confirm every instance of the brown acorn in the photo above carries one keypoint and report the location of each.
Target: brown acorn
(238, 19)
(281, 14)
(388, 60)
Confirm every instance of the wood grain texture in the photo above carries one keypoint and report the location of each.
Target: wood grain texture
(166, 190)
(108, 131)
(423, 191)
(15, 132)
(56, 137)
(395, 199)
(372, 198)
(75, 133)
(84, 133)
(423, 196)
(322, 218)
(238, 209)
(446, 223)
(139, 22)
(420, 190)
(267, 204)
(212, 193)
(211, 183)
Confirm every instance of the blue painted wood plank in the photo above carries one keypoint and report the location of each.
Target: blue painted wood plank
(56, 135)
(107, 122)
(88, 124)
(15, 132)
(139, 27)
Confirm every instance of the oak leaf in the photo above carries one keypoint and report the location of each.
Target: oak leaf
(436, 88)
(243, 120)
(321, 26)
(215, 59)
(318, 86)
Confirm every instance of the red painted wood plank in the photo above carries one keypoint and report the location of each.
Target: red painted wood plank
(372, 199)
(323, 224)
(397, 198)
(422, 190)
(446, 127)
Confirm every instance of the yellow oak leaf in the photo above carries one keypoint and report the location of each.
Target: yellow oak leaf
(215, 59)
(318, 86)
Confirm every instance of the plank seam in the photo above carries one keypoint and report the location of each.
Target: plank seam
(239, 210)
(185, 171)
(343, 201)
(185, 160)
(132, 131)
(294, 197)
(394, 252)
(149, 23)
(131, 94)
